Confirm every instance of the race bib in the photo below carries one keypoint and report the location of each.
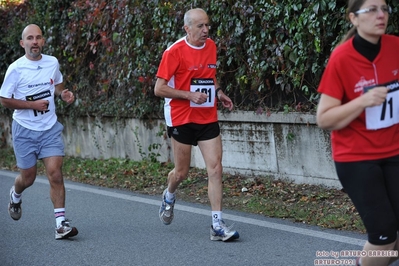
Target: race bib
(34, 114)
(386, 114)
(206, 86)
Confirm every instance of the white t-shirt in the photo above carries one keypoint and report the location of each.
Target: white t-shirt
(29, 80)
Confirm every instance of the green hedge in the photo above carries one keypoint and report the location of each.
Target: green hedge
(271, 53)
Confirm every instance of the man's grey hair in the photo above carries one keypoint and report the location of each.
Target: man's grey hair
(188, 18)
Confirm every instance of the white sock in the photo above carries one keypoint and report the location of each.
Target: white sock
(16, 198)
(216, 218)
(59, 214)
(170, 197)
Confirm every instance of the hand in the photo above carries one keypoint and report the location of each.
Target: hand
(226, 101)
(375, 96)
(40, 105)
(198, 97)
(67, 96)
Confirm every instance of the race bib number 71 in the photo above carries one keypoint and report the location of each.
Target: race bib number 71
(386, 114)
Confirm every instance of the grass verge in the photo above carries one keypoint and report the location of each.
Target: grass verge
(309, 204)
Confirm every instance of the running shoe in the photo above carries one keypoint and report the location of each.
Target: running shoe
(166, 210)
(223, 232)
(14, 209)
(65, 230)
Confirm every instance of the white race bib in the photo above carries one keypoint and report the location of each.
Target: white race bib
(206, 86)
(38, 115)
(386, 114)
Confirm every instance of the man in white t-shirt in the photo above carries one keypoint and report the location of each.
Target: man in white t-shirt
(31, 85)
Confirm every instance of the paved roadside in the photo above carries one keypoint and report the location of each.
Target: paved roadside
(123, 228)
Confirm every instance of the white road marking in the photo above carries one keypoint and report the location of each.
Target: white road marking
(235, 218)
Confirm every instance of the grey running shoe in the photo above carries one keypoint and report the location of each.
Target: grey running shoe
(223, 233)
(166, 210)
(14, 209)
(65, 230)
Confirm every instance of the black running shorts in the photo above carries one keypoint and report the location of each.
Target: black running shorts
(192, 133)
(373, 188)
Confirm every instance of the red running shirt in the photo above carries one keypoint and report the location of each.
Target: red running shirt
(190, 68)
(375, 133)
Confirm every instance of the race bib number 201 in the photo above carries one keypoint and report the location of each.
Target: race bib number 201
(206, 86)
(386, 114)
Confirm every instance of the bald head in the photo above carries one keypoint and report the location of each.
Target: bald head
(191, 14)
(32, 41)
(29, 28)
(196, 25)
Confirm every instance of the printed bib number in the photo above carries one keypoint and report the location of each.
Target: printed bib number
(34, 114)
(386, 114)
(206, 86)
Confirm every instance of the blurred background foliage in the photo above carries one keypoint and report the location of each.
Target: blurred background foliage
(271, 54)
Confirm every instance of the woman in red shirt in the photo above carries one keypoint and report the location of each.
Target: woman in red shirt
(359, 103)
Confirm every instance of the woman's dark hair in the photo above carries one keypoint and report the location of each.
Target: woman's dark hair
(353, 6)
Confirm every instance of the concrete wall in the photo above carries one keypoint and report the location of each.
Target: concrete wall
(287, 146)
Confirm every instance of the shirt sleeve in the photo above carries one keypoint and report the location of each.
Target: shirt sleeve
(58, 75)
(331, 82)
(169, 64)
(10, 83)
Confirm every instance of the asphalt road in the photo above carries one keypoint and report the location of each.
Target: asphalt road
(118, 227)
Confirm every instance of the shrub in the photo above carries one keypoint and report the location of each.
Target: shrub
(271, 54)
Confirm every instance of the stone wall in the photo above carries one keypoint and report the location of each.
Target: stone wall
(287, 146)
